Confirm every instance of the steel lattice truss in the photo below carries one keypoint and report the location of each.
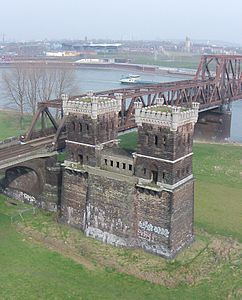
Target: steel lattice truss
(218, 81)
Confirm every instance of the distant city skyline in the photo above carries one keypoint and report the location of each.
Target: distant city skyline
(121, 20)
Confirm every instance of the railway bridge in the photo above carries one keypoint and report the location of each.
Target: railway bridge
(218, 82)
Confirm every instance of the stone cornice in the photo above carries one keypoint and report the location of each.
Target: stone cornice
(168, 116)
(91, 105)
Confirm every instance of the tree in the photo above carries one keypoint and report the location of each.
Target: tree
(15, 84)
(28, 84)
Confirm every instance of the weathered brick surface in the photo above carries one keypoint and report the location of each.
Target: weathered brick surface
(169, 173)
(160, 142)
(74, 197)
(153, 217)
(110, 206)
(81, 128)
(182, 212)
(36, 181)
(145, 200)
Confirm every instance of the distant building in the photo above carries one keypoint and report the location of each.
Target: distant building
(99, 47)
(63, 54)
(188, 45)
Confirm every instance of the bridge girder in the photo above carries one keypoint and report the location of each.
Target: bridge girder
(218, 81)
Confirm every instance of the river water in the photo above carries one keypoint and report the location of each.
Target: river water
(103, 79)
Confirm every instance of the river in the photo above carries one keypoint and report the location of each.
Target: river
(103, 79)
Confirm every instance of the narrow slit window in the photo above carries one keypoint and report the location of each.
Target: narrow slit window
(156, 140)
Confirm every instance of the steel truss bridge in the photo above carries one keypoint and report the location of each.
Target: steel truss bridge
(218, 81)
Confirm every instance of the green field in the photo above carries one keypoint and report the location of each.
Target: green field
(171, 59)
(10, 124)
(42, 259)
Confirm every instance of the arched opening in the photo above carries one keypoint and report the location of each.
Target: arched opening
(23, 179)
(154, 174)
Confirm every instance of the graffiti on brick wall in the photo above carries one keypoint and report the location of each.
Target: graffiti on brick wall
(21, 196)
(148, 231)
(28, 198)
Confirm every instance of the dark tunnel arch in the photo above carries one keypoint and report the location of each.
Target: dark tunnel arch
(24, 179)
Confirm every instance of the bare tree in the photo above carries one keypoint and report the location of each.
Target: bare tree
(65, 82)
(28, 84)
(15, 85)
(32, 86)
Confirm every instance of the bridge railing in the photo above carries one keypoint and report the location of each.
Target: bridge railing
(9, 142)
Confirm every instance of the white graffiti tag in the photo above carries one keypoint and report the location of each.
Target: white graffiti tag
(145, 225)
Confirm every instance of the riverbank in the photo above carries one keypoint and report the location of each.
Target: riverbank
(146, 68)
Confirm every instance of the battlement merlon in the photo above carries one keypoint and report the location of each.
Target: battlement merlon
(166, 115)
(91, 105)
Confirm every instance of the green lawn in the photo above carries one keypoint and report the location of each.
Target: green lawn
(10, 124)
(42, 259)
(29, 270)
(172, 59)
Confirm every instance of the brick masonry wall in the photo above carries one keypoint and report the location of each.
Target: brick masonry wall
(110, 209)
(115, 211)
(182, 212)
(74, 197)
(167, 172)
(153, 220)
(160, 142)
(81, 128)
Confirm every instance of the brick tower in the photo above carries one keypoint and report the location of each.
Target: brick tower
(92, 124)
(163, 165)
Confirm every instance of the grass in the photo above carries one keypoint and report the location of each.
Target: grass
(171, 60)
(42, 259)
(10, 124)
(218, 189)
(129, 141)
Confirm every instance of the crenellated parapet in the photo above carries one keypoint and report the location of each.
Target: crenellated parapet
(166, 115)
(91, 105)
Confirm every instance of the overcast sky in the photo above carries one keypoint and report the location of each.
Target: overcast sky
(121, 19)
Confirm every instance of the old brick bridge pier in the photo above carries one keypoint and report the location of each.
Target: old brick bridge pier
(141, 199)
